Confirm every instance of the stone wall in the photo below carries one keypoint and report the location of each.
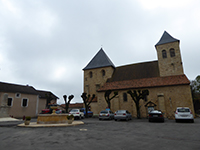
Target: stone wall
(166, 99)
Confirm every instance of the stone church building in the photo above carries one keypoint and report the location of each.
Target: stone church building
(167, 84)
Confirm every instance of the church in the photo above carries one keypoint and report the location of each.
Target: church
(165, 80)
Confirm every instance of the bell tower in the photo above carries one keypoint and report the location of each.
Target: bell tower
(97, 71)
(169, 56)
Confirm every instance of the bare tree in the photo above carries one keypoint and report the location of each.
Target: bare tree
(67, 102)
(108, 98)
(87, 100)
(137, 95)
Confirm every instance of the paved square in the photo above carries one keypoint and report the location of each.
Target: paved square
(137, 134)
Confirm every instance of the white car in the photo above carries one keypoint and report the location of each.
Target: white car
(77, 113)
(184, 113)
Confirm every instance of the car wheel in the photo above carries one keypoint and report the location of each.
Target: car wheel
(192, 121)
(149, 120)
(99, 118)
(115, 119)
(176, 120)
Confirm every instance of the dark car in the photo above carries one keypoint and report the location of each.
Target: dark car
(90, 113)
(156, 115)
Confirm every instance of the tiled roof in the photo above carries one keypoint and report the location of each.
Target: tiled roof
(76, 105)
(136, 71)
(14, 88)
(99, 60)
(146, 83)
(166, 38)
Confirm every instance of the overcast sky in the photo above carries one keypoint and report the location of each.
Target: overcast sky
(47, 43)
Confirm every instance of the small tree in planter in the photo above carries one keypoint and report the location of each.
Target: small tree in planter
(70, 119)
(27, 120)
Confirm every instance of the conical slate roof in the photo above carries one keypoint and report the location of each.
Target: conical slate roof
(166, 38)
(99, 60)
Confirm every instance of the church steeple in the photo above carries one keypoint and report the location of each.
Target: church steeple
(169, 56)
(99, 60)
(166, 38)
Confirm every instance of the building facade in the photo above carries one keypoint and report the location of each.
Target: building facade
(164, 78)
(22, 100)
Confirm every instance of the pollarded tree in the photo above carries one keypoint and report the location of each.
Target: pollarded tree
(87, 100)
(108, 98)
(137, 95)
(67, 102)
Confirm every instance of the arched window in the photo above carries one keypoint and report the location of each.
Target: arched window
(125, 97)
(164, 53)
(91, 74)
(172, 52)
(103, 72)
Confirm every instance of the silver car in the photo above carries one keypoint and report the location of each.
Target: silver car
(184, 113)
(122, 115)
(106, 114)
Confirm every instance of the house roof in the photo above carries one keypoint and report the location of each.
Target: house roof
(146, 83)
(136, 71)
(26, 89)
(43, 94)
(166, 38)
(14, 88)
(99, 60)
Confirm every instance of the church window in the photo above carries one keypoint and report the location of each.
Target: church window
(172, 52)
(10, 101)
(103, 72)
(125, 97)
(164, 53)
(91, 74)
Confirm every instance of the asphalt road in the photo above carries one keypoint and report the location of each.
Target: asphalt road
(137, 134)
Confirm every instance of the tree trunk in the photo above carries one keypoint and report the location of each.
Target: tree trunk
(138, 110)
(86, 111)
(108, 104)
(66, 107)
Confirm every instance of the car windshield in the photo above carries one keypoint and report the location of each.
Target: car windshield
(121, 111)
(104, 112)
(183, 110)
(74, 110)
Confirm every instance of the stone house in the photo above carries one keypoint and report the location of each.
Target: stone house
(164, 78)
(21, 100)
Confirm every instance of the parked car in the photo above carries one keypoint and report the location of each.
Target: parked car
(90, 113)
(106, 114)
(58, 111)
(184, 113)
(156, 115)
(122, 115)
(77, 113)
(45, 111)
